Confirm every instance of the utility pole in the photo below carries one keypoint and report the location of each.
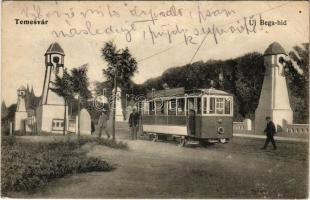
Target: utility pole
(11, 129)
(114, 103)
(79, 102)
(153, 97)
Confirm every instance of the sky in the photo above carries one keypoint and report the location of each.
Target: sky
(159, 35)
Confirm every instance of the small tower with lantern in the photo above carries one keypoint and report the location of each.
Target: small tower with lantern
(54, 65)
(21, 112)
(274, 99)
(50, 112)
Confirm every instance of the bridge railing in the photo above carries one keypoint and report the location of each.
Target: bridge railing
(288, 130)
(296, 128)
(244, 126)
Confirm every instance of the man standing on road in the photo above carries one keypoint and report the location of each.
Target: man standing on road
(134, 123)
(270, 130)
(103, 125)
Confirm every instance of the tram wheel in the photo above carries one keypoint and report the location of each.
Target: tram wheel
(182, 142)
(223, 140)
(155, 138)
(149, 136)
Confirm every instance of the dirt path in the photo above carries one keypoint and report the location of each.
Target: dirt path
(163, 170)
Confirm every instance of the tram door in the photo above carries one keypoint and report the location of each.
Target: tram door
(191, 114)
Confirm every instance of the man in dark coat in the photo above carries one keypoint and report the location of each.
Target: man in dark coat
(270, 130)
(134, 123)
(102, 123)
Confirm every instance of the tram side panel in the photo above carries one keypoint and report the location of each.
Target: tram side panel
(198, 120)
(206, 127)
(165, 124)
(164, 120)
(216, 127)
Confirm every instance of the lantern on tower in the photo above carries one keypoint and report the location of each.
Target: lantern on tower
(54, 66)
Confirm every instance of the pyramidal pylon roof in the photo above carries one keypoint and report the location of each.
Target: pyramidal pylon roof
(55, 48)
(274, 48)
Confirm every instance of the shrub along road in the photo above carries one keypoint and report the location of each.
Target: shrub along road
(238, 169)
(29, 163)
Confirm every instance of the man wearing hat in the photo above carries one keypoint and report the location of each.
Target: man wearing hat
(134, 123)
(270, 130)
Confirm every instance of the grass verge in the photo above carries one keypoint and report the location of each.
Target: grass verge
(27, 166)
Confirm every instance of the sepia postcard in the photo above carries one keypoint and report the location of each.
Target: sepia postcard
(155, 99)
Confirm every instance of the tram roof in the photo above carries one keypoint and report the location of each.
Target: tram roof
(181, 92)
(211, 91)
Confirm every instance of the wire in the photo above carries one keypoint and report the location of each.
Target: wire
(160, 52)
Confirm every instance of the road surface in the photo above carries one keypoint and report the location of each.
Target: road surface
(239, 169)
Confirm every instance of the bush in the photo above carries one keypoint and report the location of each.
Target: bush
(5, 129)
(27, 166)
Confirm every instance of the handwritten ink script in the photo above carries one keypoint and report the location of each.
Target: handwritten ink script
(130, 21)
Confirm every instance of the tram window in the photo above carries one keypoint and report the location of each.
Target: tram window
(190, 104)
(198, 105)
(172, 107)
(140, 106)
(160, 107)
(220, 106)
(212, 105)
(204, 107)
(152, 108)
(227, 106)
(146, 108)
(181, 106)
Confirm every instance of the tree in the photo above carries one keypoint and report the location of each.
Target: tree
(63, 87)
(121, 67)
(4, 110)
(7, 116)
(297, 75)
(80, 84)
(248, 80)
(80, 81)
(120, 60)
(123, 62)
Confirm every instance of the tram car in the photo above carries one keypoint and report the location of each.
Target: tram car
(200, 115)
